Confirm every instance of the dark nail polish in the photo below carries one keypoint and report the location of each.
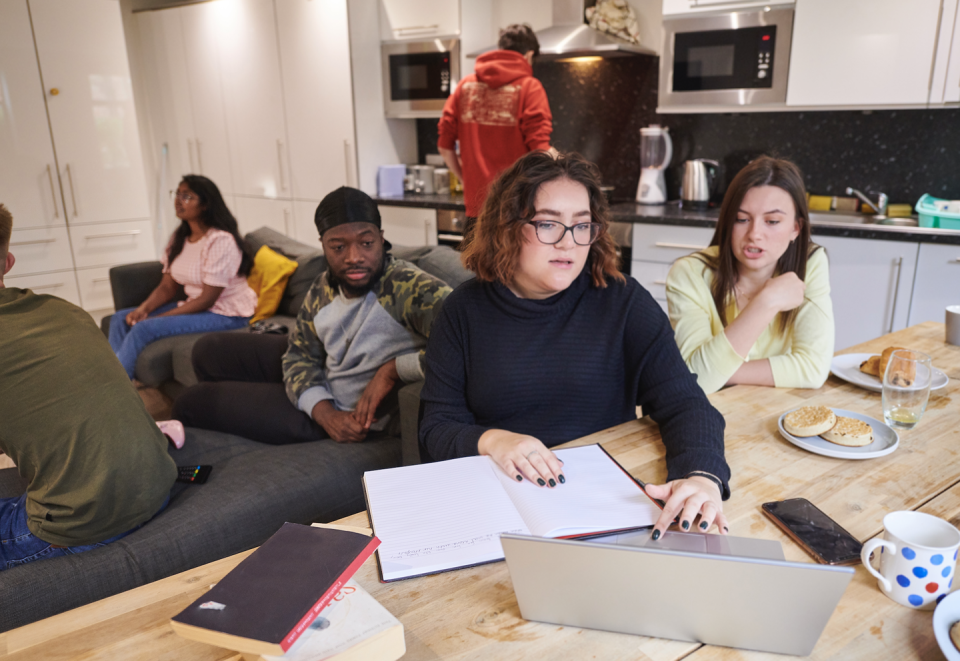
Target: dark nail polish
(703, 525)
(519, 478)
(656, 535)
(541, 482)
(685, 525)
(552, 482)
(726, 529)
(562, 479)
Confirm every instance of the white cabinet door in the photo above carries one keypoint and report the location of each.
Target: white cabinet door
(250, 65)
(83, 56)
(862, 52)
(208, 149)
(40, 250)
(304, 228)
(947, 40)
(94, 288)
(665, 244)
(936, 284)
(62, 285)
(109, 244)
(317, 96)
(951, 87)
(418, 19)
(256, 212)
(409, 226)
(870, 285)
(29, 186)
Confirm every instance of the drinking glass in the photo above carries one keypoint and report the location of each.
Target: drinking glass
(906, 388)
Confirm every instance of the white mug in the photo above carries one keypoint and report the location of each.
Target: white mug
(918, 557)
(953, 324)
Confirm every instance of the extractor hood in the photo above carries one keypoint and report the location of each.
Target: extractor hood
(570, 36)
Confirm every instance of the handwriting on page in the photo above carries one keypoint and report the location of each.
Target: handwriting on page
(458, 545)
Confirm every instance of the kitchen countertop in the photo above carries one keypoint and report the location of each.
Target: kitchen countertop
(672, 214)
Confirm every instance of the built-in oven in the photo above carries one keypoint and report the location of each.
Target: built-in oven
(451, 225)
(418, 76)
(725, 59)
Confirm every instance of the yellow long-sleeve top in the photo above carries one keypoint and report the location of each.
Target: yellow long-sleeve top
(799, 358)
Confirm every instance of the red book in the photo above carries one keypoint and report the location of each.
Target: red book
(269, 599)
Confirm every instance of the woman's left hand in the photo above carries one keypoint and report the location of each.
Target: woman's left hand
(688, 498)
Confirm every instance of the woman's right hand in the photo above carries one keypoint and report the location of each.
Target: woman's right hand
(784, 292)
(522, 456)
(137, 315)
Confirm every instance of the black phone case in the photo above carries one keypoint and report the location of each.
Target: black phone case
(842, 562)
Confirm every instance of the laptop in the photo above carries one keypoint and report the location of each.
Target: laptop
(713, 589)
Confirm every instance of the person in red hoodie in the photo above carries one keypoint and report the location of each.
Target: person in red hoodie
(498, 114)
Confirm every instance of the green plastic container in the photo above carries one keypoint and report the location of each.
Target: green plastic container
(930, 217)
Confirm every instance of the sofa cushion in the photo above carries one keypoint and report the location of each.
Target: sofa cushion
(310, 264)
(268, 278)
(252, 491)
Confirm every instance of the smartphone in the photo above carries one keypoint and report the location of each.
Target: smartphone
(814, 531)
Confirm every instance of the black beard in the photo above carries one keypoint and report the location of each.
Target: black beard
(351, 291)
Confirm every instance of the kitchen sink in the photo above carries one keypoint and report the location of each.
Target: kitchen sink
(841, 218)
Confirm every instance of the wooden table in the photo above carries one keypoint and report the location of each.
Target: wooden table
(473, 614)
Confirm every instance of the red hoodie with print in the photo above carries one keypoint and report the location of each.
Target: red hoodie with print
(499, 114)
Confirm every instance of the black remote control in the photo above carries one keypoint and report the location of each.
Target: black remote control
(193, 474)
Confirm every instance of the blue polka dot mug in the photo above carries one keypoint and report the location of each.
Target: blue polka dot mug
(918, 557)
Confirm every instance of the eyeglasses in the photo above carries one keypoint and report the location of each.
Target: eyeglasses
(184, 197)
(551, 232)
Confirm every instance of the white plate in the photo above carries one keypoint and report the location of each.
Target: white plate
(947, 612)
(847, 367)
(885, 439)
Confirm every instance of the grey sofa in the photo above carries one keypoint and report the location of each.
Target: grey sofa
(253, 489)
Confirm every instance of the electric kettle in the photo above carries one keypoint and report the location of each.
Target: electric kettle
(656, 150)
(698, 177)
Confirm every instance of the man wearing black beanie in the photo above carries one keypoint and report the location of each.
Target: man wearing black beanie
(361, 330)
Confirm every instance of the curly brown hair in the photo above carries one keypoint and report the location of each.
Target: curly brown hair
(492, 247)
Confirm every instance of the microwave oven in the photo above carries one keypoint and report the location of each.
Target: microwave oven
(418, 76)
(728, 59)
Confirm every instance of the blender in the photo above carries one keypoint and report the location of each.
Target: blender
(656, 150)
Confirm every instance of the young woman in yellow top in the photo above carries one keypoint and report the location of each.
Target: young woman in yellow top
(754, 307)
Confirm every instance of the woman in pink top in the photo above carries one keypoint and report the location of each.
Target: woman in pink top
(209, 259)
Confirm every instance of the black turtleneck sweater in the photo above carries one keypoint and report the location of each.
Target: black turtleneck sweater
(560, 368)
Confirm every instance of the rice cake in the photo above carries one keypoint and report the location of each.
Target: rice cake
(849, 432)
(809, 421)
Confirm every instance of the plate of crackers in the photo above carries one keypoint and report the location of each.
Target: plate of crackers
(838, 433)
(946, 625)
(866, 370)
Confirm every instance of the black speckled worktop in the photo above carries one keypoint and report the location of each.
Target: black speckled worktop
(673, 214)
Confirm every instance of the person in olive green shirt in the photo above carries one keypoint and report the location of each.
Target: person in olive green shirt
(95, 462)
(754, 307)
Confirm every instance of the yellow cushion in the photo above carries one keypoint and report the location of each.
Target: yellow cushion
(268, 278)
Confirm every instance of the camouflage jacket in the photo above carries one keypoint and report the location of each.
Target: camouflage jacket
(338, 344)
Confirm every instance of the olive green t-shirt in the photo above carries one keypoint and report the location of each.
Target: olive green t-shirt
(95, 461)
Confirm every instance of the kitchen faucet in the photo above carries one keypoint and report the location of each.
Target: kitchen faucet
(879, 208)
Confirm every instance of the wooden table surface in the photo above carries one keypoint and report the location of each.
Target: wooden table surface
(473, 613)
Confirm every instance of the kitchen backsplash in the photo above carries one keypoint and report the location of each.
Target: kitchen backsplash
(599, 108)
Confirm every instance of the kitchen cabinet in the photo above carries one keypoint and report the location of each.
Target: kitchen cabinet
(89, 97)
(29, 185)
(862, 52)
(657, 247)
(418, 19)
(945, 80)
(71, 163)
(409, 226)
(871, 282)
(935, 285)
(254, 212)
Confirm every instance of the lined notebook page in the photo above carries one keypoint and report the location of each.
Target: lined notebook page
(440, 516)
(597, 496)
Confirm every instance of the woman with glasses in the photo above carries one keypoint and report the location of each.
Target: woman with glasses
(550, 343)
(754, 308)
(209, 259)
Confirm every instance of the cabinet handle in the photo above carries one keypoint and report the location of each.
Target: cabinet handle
(190, 153)
(73, 196)
(660, 282)
(896, 294)
(346, 163)
(199, 157)
(450, 237)
(283, 180)
(53, 193)
(684, 246)
(53, 286)
(101, 280)
(286, 222)
(112, 234)
(414, 29)
(31, 243)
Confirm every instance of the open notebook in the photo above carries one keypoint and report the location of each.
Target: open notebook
(448, 515)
